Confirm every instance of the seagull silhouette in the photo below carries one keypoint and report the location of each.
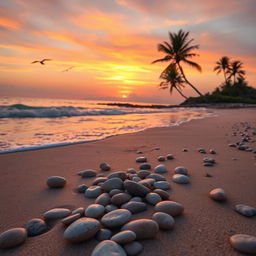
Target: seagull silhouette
(66, 70)
(40, 61)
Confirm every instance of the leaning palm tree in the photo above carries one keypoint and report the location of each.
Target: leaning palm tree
(178, 51)
(222, 65)
(236, 70)
(173, 80)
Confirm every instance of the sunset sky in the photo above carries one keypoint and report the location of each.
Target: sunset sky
(111, 44)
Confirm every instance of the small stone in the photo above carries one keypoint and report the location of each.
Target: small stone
(161, 158)
(139, 152)
(133, 248)
(124, 237)
(94, 211)
(81, 188)
(88, 173)
(135, 207)
(245, 210)
(82, 229)
(143, 174)
(105, 167)
(79, 210)
(70, 219)
(156, 177)
(164, 220)
(13, 237)
(36, 227)
(180, 178)
(170, 207)
(147, 182)
(145, 167)
(209, 160)
(153, 198)
(99, 180)
(141, 159)
(131, 170)
(218, 194)
(115, 191)
(116, 218)
(244, 243)
(202, 151)
(161, 168)
(184, 150)
(164, 195)
(170, 157)
(108, 248)
(135, 189)
(181, 170)
(120, 175)
(136, 179)
(110, 208)
(136, 199)
(93, 191)
(104, 234)
(208, 164)
(100, 175)
(211, 151)
(164, 185)
(56, 213)
(143, 228)
(209, 175)
(232, 145)
(120, 198)
(56, 182)
(103, 199)
(114, 183)
(157, 148)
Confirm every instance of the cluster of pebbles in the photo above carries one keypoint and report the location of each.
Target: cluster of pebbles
(118, 197)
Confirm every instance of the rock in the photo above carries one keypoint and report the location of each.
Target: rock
(99, 180)
(136, 179)
(143, 228)
(170, 207)
(170, 156)
(145, 167)
(143, 174)
(104, 234)
(211, 151)
(115, 191)
(147, 182)
(114, 183)
(131, 171)
(139, 152)
(120, 198)
(161, 158)
(161, 168)
(164, 195)
(209, 175)
(93, 191)
(56, 213)
(209, 160)
(141, 159)
(94, 211)
(135, 207)
(201, 150)
(180, 178)
(56, 182)
(105, 167)
(36, 227)
(157, 148)
(232, 145)
(70, 219)
(136, 199)
(81, 230)
(218, 194)
(162, 185)
(208, 164)
(156, 177)
(100, 175)
(135, 189)
(245, 210)
(13, 237)
(181, 170)
(108, 248)
(103, 199)
(110, 208)
(184, 150)
(153, 198)
(133, 248)
(244, 243)
(116, 218)
(164, 220)
(124, 237)
(81, 188)
(88, 173)
(120, 175)
(79, 210)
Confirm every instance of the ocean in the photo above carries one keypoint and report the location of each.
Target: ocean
(33, 123)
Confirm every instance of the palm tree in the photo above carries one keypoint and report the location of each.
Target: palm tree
(222, 65)
(179, 50)
(236, 70)
(173, 80)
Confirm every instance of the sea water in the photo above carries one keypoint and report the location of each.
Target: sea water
(32, 123)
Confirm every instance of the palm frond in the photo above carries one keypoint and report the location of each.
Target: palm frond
(194, 65)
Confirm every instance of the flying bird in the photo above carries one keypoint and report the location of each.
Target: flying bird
(66, 70)
(40, 61)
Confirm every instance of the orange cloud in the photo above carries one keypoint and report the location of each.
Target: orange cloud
(9, 23)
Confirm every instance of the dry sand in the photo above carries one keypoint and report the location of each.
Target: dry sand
(205, 226)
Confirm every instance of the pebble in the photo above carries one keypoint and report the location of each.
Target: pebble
(94, 211)
(143, 174)
(141, 159)
(164, 220)
(131, 171)
(136, 199)
(170, 207)
(143, 228)
(148, 182)
(135, 189)
(180, 178)
(161, 158)
(56, 213)
(108, 248)
(161, 168)
(104, 234)
(88, 173)
(153, 198)
(13, 237)
(121, 175)
(244, 243)
(208, 164)
(93, 191)
(164, 185)
(115, 191)
(136, 179)
(81, 230)
(145, 167)
(124, 237)
(232, 145)
(120, 198)
(139, 152)
(201, 150)
(133, 248)
(181, 170)
(81, 188)
(245, 210)
(135, 207)
(116, 218)
(218, 194)
(184, 150)
(105, 167)
(114, 183)
(211, 151)
(209, 160)
(209, 175)
(99, 180)
(156, 177)
(56, 182)
(70, 219)
(103, 199)
(164, 195)
(36, 227)
(110, 208)
(79, 210)
(170, 157)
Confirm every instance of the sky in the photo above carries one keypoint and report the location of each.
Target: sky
(111, 43)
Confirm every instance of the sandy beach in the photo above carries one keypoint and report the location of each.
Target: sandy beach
(203, 229)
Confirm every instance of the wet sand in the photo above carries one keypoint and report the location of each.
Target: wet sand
(203, 229)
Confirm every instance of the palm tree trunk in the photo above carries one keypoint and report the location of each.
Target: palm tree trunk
(234, 80)
(181, 70)
(225, 75)
(181, 93)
